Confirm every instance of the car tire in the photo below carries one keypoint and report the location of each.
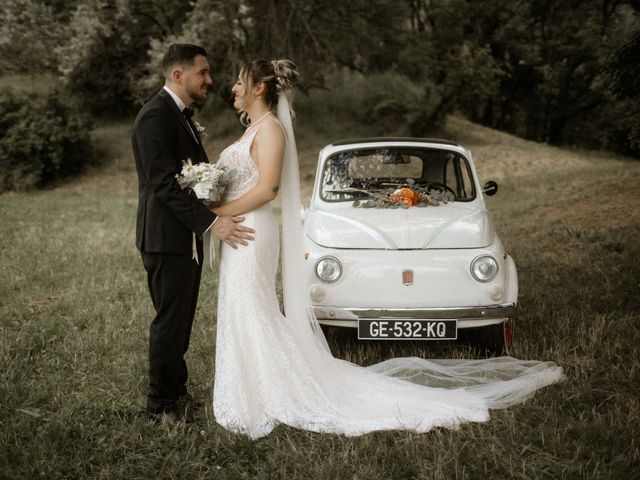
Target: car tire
(492, 340)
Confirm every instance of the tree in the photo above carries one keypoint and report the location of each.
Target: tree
(105, 54)
(623, 70)
(27, 34)
(532, 67)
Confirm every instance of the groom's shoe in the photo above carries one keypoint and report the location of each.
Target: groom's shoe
(169, 417)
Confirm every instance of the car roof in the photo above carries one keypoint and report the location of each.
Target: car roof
(356, 143)
(394, 140)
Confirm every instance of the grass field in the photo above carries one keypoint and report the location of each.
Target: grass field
(74, 314)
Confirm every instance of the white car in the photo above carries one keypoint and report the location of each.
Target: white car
(400, 244)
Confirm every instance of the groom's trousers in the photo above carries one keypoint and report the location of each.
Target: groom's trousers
(174, 281)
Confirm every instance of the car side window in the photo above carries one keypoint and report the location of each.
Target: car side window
(458, 178)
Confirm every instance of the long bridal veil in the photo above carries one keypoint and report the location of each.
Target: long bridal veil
(492, 383)
(296, 307)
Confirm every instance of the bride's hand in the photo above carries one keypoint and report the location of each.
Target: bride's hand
(229, 230)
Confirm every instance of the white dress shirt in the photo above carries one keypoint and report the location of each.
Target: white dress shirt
(181, 106)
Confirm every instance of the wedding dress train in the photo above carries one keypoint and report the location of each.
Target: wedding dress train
(269, 370)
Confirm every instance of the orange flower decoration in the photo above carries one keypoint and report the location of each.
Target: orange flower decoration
(405, 195)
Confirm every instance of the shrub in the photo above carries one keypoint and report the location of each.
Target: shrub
(43, 137)
(376, 104)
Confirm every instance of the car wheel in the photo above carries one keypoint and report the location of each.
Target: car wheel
(492, 340)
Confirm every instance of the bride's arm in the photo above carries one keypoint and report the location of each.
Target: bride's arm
(267, 151)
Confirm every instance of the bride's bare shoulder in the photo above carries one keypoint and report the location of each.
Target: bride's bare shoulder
(272, 129)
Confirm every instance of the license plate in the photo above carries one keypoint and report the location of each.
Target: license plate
(403, 329)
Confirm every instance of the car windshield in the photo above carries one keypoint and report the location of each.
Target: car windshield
(355, 174)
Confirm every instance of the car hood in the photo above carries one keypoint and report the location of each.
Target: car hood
(452, 225)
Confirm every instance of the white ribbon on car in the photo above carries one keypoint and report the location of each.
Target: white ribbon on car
(374, 232)
(445, 226)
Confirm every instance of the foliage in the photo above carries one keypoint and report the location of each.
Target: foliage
(28, 33)
(105, 53)
(43, 137)
(532, 68)
(406, 108)
(411, 107)
(220, 27)
(545, 70)
(624, 67)
(363, 35)
(404, 197)
(318, 35)
(624, 72)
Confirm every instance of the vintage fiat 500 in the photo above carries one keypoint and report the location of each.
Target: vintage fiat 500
(400, 244)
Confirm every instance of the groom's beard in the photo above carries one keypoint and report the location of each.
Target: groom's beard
(198, 94)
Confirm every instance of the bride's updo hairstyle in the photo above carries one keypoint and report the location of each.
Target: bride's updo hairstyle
(279, 77)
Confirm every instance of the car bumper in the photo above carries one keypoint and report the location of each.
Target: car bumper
(467, 317)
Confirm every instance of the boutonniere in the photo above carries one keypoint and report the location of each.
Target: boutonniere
(201, 130)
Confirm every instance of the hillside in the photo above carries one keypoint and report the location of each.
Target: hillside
(498, 156)
(585, 188)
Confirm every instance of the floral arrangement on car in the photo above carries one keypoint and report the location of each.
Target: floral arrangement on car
(405, 197)
(208, 181)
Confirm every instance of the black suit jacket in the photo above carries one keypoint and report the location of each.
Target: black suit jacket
(167, 215)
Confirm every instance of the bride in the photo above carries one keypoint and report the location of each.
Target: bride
(273, 368)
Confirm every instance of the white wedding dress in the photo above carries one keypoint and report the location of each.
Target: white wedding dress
(269, 370)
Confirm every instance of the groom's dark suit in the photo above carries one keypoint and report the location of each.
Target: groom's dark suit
(167, 218)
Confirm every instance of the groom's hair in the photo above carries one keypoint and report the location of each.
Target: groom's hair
(180, 54)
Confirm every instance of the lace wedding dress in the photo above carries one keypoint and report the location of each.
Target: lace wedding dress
(270, 370)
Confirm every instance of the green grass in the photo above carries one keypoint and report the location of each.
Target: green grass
(74, 314)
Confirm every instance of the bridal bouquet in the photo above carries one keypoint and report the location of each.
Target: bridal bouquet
(207, 180)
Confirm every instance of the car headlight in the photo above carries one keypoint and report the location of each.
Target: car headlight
(484, 268)
(328, 269)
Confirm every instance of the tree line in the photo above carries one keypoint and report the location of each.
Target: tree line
(559, 71)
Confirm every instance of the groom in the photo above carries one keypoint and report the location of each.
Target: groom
(163, 136)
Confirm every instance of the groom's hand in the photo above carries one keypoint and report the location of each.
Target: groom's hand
(229, 230)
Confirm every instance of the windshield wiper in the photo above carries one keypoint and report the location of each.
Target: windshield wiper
(347, 190)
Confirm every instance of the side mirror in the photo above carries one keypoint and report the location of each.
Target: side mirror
(490, 188)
